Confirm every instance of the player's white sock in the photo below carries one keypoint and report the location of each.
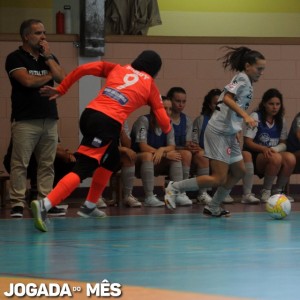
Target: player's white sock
(187, 185)
(220, 194)
(47, 204)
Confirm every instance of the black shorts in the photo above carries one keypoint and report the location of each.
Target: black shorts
(101, 135)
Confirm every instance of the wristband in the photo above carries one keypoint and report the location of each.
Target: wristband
(281, 147)
(49, 57)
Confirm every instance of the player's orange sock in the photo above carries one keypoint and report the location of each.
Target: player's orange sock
(64, 188)
(99, 182)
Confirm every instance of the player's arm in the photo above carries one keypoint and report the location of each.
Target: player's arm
(266, 151)
(163, 119)
(99, 69)
(64, 154)
(168, 151)
(281, 147)
(158, 109)
(296, 127)
(125, 139)
(251, 145)
(190, 144)
(298, 134)
(249, 136)
(231, 103)
(197, 125)
(144, 147)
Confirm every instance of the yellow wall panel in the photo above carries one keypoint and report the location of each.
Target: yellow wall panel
(26, 3)
(9, 24)
(227, 24)
(258, 6)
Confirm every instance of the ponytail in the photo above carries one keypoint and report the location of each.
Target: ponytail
(236, 58)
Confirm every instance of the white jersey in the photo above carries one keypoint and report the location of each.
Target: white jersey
(265, 134)
(197, 128)
(140, 131)
(224, 120)
(126, 128)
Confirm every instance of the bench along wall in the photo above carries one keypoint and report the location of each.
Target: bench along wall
(190, 62)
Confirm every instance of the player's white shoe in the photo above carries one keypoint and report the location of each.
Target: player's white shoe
(204, 198)
(228, 200)
(153, 201)
(249, 199)
(183, 200)
(170, 196)
(265, 195)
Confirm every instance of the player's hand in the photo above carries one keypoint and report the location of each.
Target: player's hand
(174, 155)
(72, 158)
(130, 154)
(193, 147)
(157, 156)
(268, 152)
(250, 122)
(49, 91)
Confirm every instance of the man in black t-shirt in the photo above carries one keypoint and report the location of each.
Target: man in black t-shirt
(34, 118)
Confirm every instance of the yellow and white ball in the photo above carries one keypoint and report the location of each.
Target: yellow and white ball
(278, 206)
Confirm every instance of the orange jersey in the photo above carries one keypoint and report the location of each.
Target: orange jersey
(125, 90)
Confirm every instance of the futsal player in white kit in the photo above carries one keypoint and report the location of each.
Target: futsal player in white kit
(220, 142)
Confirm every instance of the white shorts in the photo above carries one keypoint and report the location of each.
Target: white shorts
(221, 147)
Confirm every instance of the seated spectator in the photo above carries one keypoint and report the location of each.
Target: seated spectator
(293, 140)
(267, 145)
(63, 164)
(248, 197)
(182, 126)
(127, 166)
(156, 156)
(128, 160)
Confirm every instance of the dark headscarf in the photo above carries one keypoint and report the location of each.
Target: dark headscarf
(148, 61)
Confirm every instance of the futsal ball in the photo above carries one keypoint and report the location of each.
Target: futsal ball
(278, 206)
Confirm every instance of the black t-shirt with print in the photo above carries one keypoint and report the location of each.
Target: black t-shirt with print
(27, 103)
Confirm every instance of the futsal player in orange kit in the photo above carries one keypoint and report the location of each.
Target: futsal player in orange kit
(126, 89)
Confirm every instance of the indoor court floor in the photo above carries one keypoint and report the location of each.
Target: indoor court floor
(156, 254)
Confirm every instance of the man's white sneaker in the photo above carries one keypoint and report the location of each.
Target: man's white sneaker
(228, 200)
(170, 196)
(101, 203)
(249, 199)
(291, 199)
(204, 198)
(153, 201)
(132, 201)
(183, 200)
(265, 195)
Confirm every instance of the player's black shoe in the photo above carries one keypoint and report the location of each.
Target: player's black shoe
(220, 212)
